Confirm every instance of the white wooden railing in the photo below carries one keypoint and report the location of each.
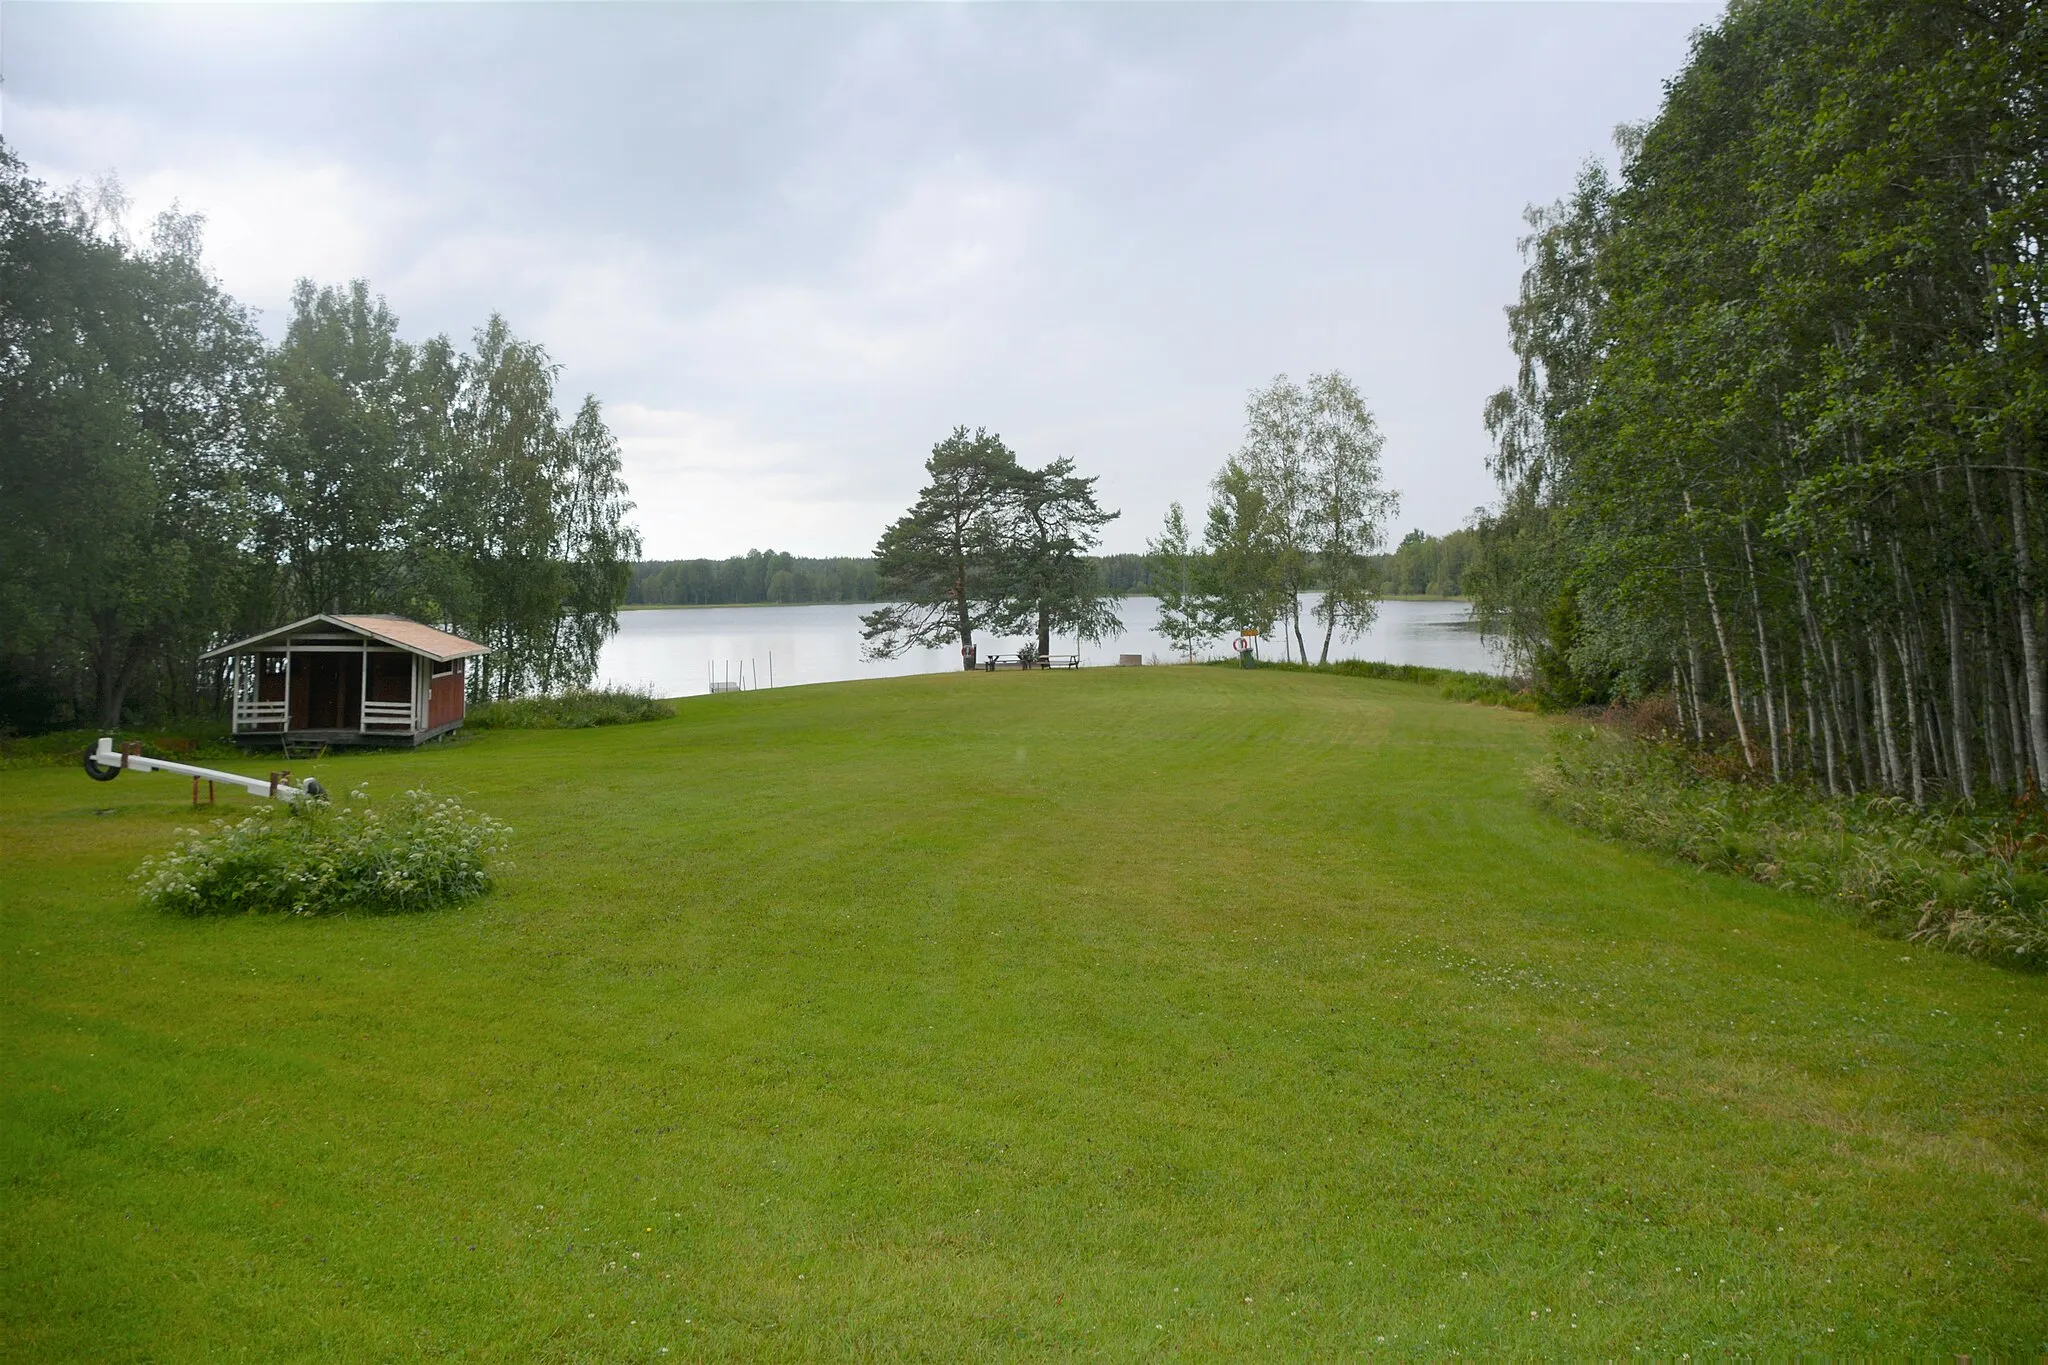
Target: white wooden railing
(387, 713)
(256, 715)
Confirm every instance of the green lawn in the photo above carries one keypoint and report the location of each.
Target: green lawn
(1189, 1012)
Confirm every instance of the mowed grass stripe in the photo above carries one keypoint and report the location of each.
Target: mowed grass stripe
(1151, 1011)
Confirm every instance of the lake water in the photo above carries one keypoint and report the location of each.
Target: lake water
(680, 652)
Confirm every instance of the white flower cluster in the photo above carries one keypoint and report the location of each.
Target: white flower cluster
(415, 852)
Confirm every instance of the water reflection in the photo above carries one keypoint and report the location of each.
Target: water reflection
(686, 651)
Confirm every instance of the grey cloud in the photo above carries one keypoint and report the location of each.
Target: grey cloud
(792, 245)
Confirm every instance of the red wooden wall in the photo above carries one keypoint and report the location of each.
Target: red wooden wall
(444, 698)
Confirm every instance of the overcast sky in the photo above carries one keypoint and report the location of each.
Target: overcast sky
(789, 247)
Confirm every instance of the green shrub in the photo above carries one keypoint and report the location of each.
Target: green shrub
(1488, 691)
(187, 741)
(416, 852)
(568, 711)
(1457, 685)
(1974, 880)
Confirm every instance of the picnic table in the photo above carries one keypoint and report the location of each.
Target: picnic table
(994, 661)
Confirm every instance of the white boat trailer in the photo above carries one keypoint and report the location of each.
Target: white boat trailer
(105, 763)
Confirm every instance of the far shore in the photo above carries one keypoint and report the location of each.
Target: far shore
(720, 606)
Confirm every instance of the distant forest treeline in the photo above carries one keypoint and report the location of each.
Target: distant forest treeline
(1422, 565)
(756, 576)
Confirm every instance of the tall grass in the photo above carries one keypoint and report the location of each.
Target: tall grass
(1454, 684)
(1973, 880)
(576, 710)
(194, 738)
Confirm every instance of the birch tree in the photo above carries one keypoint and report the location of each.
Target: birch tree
(1778, 438)
(1175, 569)
(1277, 457)
(1347, 505)
(1314, 453)
(1244, 585)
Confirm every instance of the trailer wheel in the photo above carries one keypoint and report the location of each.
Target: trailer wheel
(98, 772)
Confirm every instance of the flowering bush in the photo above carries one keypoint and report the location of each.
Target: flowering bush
(415, 852)
(1974, 880)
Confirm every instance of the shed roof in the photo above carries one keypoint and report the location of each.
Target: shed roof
(396, 631)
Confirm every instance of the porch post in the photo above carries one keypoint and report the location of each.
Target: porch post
(363, 693)
(286, 728)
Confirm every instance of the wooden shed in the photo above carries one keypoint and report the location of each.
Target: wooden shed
(343, 680)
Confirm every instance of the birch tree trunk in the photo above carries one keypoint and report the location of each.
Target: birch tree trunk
(1763, 654)
(1887, 733)
(1907, 675)
(1727, 655)
(2030, 644)
(1958, 701)
(1693, 669)
(2015, 722)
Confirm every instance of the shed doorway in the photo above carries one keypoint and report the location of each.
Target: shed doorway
(327, 689)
